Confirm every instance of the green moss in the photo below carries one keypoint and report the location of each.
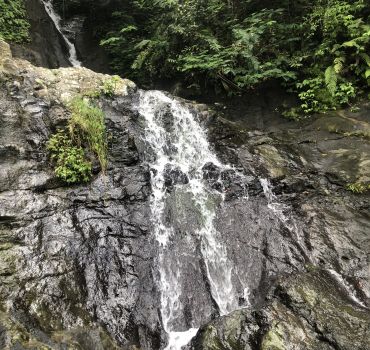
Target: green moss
(293, 113)
(211, 340)
(358, 187)
(18, 335)
(273, 340)
(358, 133)
(14, 25)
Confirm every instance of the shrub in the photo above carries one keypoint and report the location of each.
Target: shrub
(71, 163)
(72, 148)
(109, 86)
(316, 48)
(87, 126)
(13, 22)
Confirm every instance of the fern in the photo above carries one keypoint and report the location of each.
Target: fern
(331, 79)
(233, 46)
(338, 64)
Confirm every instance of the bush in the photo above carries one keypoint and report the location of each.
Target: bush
(71, 164)
(316, 48)
(87, 126)
(14, 26)
(84, 137)
(109, 86)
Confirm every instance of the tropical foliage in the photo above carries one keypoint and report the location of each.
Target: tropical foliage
(13, 23)
(317, 48)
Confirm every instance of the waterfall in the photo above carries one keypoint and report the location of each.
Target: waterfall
(179, 148)
(72, 53)
(281, 211)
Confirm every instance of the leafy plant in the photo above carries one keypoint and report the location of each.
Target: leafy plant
(339, 60)
(71, 164)
(86, 125)
(317, 48)
(107, 89)
(72, 148)
(109, 86)
(14, 25)
(358, 187)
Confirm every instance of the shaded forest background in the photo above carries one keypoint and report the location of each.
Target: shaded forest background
(318, 49)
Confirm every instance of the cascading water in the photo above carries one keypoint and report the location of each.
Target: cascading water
(281, 211)
(57, 22)
(179, 147)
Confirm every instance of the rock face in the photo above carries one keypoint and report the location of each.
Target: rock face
(72, 260)
(309, 165)
(78, 263)
(47, 47)
(308, 312)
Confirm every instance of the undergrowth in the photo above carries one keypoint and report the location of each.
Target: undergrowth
(358, 187)
(71, 163)
(14, 25)
(317, 49)
(73, 148)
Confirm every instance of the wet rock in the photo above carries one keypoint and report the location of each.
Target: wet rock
(47, 47)
(309, 166)
(72, 259)
(273, 161)
(78, 264)
(212, 173)
(174, 176)
(310, 311)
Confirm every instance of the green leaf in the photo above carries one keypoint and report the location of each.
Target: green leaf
(366, 58)
(128, 29)
(142, 44)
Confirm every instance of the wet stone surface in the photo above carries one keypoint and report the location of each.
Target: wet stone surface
(78, 265)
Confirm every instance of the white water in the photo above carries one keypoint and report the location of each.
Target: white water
(184, 147)
(347, 288)
(281, 211)
(57, 22)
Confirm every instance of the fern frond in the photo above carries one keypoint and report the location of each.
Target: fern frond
(338, 64)
(331, 79)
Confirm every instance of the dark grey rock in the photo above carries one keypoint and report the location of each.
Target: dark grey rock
(78, 264)
(309, 311)
(47, 47)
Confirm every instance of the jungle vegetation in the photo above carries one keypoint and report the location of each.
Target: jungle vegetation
(14, 26)
(319, 49)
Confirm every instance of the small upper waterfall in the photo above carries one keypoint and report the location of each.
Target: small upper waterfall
(183, 211)
(72, 53)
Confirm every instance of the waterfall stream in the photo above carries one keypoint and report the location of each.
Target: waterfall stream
(72, 53)
(180, 151)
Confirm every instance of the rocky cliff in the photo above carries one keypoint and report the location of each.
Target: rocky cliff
(78, 263)
(75, 258)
